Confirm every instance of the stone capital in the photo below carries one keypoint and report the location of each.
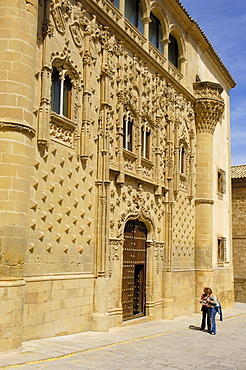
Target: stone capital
(209, 105)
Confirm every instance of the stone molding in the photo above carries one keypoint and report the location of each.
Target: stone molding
(204, 201)
(10, 126)
(12, 283)
(56, 277)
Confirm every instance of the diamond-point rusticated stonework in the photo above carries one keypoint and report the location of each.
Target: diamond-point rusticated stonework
(109, 155)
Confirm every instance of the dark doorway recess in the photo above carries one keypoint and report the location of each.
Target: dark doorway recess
(134, 270)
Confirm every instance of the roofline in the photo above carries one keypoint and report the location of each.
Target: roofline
(238, 175)
(205, 44)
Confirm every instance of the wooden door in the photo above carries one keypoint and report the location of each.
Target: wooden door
(134, 270)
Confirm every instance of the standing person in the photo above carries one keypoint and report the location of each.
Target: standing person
(204, 309)
(212, 302)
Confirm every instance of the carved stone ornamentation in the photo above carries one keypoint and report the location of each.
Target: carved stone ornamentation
(114, 249)
(159, 254)
(48, 29)
(62, 130)
(76, 34)
(58, 19)
(209, 106)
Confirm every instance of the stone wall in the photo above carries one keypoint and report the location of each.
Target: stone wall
(239, 237)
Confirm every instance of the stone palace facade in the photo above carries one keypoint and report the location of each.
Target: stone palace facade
(115, 166)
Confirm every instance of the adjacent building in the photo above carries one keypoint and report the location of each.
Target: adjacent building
(114, 164)
(239, 230)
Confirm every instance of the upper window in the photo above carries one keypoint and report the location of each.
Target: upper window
(134, 13)
(221, 250)
(173, 51)
(182, 160)
(155, 33)
(128, 132)
(145, 141)
(221, 182)
(61, 93)
(116, 3)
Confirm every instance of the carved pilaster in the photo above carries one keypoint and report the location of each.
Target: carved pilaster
(209, 106)
(176, 160)
(158, 191)
(44, 110)
(191, 164)
(120, 107)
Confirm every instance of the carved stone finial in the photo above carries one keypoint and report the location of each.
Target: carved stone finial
(209, 106)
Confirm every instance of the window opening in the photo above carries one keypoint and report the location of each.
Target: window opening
(55, 91)
(221, 182)
(221, 249)
(155, 33)
(173, 51)
(128, 128)
(182, 160)
(67, 94)
(61, 93)
(115, 3)
(134, 13)
(145, 141)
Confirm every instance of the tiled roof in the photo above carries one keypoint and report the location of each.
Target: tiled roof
(238, 172)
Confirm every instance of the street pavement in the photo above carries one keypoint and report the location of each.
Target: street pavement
(162, 344)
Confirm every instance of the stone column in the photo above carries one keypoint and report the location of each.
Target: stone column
(208, 109)
(18, 33)
(146, 21)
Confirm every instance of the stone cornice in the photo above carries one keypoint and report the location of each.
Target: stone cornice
(204, 201)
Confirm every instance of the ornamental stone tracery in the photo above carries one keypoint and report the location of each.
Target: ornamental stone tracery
(130, 86)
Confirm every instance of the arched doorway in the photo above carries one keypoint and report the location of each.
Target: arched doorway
(134, 270)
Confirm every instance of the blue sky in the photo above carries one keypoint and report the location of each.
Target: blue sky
(224, 23)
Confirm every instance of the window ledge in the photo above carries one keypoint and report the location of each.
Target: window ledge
(54, 117)
(222, 263)
(62, 129)
(146, 162)
(129, 154)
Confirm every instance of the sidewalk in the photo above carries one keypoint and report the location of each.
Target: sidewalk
(58, 347)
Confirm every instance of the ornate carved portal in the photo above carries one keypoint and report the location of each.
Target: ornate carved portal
(134, 270)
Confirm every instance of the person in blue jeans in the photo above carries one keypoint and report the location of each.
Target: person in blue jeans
(204, 309)
(212, 302)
